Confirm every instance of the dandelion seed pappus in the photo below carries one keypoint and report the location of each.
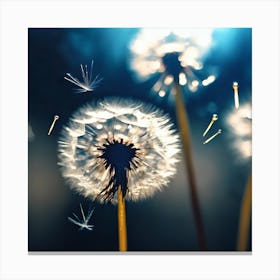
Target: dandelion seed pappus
(118, 143)
(89, 83)
(84, 222)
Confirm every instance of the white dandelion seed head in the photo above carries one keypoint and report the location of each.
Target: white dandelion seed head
(239, 122)
(117, 137)
(175, 52)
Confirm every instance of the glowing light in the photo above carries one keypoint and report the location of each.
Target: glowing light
(118, 127)
(99, 126)
(213, 136)
(214, 118)
(137, 148)
(182, 79)
(53, 123)
(168, 80)
(89, 83)
(176, 53)
(195, 83)
(161, 93)
(209, 80)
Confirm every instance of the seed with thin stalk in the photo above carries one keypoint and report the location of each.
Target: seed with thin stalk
(56, 117)
(213, 136)
(236, 98)
(214, 118)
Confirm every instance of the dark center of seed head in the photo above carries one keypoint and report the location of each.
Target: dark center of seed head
(172, 64)
(118, 155)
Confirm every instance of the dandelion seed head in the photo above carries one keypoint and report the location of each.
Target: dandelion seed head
(240, 125)
(177, 53)
(118, 142)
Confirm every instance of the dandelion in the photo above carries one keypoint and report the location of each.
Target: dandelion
(176, 57)
(89, 83)
(83, 222)
(118, 143)
(240, 124)
(118, 149)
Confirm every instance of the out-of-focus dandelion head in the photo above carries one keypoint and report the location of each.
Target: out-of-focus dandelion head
(118, 143)
(177, 55)
(240, 125)
(31, 134)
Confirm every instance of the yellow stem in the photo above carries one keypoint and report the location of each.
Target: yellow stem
(245, 217)
(122, 222)
(183, 124)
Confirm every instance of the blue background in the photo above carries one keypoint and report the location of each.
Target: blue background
(163, 222)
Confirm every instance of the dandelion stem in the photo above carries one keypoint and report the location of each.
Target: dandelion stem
(244, 219)
(122, 222)
(182, 119)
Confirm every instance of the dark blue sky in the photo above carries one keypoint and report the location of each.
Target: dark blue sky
(163, 222)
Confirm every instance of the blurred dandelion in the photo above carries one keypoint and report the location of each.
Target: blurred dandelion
(240, 123)
(174, 55)
(31, 134)
(89, 83)
(118, 149)
(83, 222)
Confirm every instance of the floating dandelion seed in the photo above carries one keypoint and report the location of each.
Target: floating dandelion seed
(213, 136)
(56, 117)
(89, 83)
(115, 144)
(175, 54)
(83, 222)
(214, 118)
(236, 97)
